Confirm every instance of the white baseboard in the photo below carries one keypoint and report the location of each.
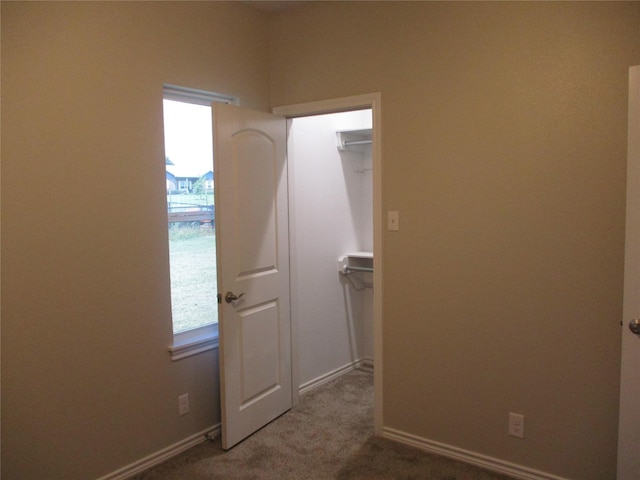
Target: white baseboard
(332, 375)
(162, 455)
(465, 456)
(179, 447)
(455, 453)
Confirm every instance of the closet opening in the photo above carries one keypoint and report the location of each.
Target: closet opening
(331, 244)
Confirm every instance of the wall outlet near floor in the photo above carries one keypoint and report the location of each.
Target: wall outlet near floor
(516, 425)
(183, 404)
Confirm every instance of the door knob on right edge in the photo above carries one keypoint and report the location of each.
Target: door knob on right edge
(634, 326)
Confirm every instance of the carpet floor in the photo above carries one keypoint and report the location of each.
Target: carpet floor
(328, 435)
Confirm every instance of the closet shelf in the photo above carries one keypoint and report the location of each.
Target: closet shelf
(354, 139)
(355, 262)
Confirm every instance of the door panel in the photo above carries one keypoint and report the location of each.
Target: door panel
(258, 328)
(629, 427)
(255, 170)
(253, 260)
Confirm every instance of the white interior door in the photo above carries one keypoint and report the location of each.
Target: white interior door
(253, 263)
(629, 428)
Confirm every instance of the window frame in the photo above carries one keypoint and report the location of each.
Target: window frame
(205, 338)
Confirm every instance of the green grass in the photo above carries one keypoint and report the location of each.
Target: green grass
(192, 252)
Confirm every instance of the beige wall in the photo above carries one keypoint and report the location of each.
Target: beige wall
(504, 138)
(87, 383)
(504, 151)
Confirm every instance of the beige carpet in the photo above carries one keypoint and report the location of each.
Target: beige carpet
(329, 435)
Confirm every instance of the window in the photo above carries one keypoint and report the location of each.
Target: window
(191, 219)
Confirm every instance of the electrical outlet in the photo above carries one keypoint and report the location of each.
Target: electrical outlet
(516, 425)
(183, 404)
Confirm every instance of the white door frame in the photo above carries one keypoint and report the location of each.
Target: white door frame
(374, 102)
(629, 420)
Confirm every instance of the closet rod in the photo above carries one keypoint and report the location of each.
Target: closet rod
(356, 142)
(358, 269)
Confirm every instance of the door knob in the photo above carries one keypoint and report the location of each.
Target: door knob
(634, 326)
(230, 297)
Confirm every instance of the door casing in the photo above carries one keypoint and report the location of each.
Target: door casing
(371, 101)
(629, 423)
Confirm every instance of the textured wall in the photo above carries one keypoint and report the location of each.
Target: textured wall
(504, 137)
(87, 383)
(504, 144)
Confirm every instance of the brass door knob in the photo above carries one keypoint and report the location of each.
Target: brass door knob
(230, 296)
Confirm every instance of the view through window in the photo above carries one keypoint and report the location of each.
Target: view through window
(191, 214)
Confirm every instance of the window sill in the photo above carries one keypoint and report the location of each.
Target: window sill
(192, 342)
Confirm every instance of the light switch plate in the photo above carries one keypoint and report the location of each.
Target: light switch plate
(393, 221)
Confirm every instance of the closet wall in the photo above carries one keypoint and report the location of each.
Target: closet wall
(331, 215)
